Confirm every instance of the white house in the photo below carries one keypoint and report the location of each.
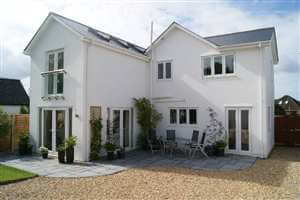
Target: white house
(75, 67)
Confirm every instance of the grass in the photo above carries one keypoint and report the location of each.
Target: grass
(12, 175)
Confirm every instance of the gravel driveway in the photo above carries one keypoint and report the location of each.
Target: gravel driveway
(275, 178)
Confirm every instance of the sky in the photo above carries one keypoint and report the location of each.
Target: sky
(130, 20)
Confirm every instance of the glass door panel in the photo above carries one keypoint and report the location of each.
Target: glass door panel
(47, 137)
(232, 131)
(60, 127)
(126, 128)
(116, 127)
(244, 130)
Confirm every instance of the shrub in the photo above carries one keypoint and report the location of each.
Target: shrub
(25, 148)
(109, 147)
(24, 110)
(4, 123)
(96, 127)
(147, 118)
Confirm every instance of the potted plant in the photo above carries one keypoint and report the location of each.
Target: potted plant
(61, 153)
(121, 153)
(70, 144)
(220, 147)
(210, 150)
(110, 149)
(44, 152)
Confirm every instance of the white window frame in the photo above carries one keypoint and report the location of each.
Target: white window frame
(164, 70)
(212, 62)
(55, 71)
(187, 109)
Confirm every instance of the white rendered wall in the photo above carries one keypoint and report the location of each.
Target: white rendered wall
(10, 109)
(57, 37)
(114, 79)
(268, 130)
(189, 89)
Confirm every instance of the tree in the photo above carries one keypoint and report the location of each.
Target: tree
(24, 110)
(279, 110)
(147, 117)
(4, 123)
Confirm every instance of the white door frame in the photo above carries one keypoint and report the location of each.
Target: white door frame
(122, 109)
(54, 124)
(238, 148)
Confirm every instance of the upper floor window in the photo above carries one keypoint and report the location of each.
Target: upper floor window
(164, 70)
(54, 75)
(218, 65)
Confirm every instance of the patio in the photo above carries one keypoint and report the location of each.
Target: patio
(134, 159)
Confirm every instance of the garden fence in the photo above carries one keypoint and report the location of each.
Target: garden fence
(19, 126)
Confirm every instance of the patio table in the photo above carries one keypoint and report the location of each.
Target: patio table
(179, 144)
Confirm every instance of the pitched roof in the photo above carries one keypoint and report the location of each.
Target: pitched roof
(258, 35)
(92, 33)
(288, 103)
(12, 92)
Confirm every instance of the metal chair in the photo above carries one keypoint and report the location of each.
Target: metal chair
(170, 143)
(154, 144)
(200, 146)
(193, 142)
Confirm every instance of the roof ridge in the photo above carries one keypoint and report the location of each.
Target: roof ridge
(11, 79)
(253, 30)
(53, 13)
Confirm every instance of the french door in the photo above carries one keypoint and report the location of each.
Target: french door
(121, 121)
(238, 124)
(54, 127)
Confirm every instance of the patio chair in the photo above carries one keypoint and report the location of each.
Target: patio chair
(154, 143)
(199, 146)
(170, 143)
(194, 141)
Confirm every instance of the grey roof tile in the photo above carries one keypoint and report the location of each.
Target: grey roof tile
(99, 35)
(257, 35)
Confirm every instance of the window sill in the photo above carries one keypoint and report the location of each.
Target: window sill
(183, 125)
(53, 97)
(223, 76)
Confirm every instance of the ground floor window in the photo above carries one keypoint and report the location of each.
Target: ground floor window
(183, 116)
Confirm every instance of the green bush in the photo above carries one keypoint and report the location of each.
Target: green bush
(96, 127)
(4, 123)
(25, 148)
(109, 147)
(147, 118)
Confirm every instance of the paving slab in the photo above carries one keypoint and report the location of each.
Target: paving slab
(135, 159)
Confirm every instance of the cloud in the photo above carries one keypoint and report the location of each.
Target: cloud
(130, 20)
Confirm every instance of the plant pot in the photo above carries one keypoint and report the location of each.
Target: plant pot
(61, 156)
(220, 152)
(110, 155)
(45, 155)
(121, 154)
(70, 155)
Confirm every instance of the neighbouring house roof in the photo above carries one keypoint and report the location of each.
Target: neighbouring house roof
(258, 35)
(12, 92)
(288, 103)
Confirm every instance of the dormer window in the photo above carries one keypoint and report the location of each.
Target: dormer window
(218, 65)
(54, 74)
(164, 70)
